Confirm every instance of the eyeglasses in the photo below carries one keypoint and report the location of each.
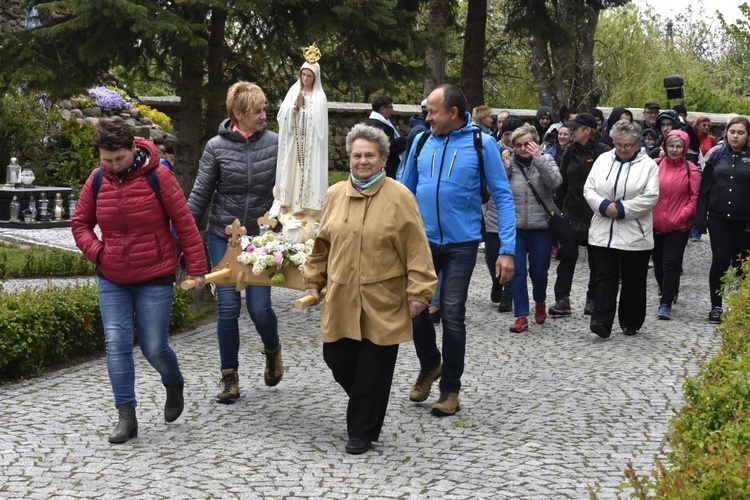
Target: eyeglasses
(521, 145)
(625, 146)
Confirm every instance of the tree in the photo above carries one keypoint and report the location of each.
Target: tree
(472, 72)
(435, 56)
(561, 38)
(204, 44)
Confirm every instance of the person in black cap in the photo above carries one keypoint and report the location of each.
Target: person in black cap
(650, 112)
(682, 111)
(579, 156)
(506, 129)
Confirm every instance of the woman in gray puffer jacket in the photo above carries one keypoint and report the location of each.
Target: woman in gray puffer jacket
(236, 176)
(533, 236)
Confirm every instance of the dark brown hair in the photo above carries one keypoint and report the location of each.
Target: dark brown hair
(742, 120)
(112, 134)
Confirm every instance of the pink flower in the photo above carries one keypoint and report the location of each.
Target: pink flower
(279, 258)
(250, 248)
(260, 250)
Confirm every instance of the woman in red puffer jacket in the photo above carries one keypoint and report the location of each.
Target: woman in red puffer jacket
(679, 185)
(135, 262)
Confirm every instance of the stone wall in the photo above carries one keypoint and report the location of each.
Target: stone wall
(343, 116)
(12, 16)
(141, 125)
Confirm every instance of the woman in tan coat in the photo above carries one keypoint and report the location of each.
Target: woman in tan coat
(372, 256)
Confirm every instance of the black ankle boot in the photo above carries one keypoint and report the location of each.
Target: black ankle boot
(175, 402)
(127, 426)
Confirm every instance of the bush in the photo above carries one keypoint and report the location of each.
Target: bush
(27, 120)
(156, 116)
(72, 156)
(40, 328)
(34, 261)
(709, 441)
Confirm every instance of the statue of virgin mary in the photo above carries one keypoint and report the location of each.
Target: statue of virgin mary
(302, 162)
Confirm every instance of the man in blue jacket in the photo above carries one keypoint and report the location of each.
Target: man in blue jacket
(447, 183)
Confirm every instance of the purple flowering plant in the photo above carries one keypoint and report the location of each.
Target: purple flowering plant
(107, 99)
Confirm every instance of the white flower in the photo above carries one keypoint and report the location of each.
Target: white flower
(245, 258)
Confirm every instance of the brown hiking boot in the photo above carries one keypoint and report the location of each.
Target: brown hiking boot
(421, 388)
(274, 368)
(447, 404)
(229, 387)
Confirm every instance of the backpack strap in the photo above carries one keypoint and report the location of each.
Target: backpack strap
(151, 177)
(420, 144)
(153, 180)
(477, 146)
(687, 165)
(96, 184)
(482, 182)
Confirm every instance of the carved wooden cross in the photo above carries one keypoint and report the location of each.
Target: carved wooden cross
(235, 231)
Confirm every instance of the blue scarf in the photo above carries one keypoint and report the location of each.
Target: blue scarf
(362, 185)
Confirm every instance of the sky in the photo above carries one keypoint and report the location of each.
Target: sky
(668, 8)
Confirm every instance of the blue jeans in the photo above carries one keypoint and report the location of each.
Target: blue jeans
(436, 298)
(535, 244)
(456, 263)
(258, 301)
(152, 306)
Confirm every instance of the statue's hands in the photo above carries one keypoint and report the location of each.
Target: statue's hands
(300, 101)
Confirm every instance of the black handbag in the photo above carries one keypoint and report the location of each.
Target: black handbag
(558, 224)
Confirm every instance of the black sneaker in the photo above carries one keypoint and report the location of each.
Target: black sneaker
(588, 309)
(496, 293)
(506, 304)
(715, 315)
(561, 307)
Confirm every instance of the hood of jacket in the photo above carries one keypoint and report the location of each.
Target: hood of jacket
(615, 116)
(416, 120)
(686, 143)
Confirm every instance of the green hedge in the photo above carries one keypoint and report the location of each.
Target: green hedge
(41, 328)
(709, 439)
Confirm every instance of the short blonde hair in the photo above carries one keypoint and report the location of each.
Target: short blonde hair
(480, 113)
(243, 97)
(523, 130)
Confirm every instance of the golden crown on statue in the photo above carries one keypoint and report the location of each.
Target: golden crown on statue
(311, 53)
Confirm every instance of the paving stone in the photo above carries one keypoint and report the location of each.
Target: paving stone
(549, 413)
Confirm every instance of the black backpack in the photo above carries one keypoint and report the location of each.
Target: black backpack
(477, 146)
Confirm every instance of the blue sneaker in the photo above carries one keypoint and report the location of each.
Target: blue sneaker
(665, 311)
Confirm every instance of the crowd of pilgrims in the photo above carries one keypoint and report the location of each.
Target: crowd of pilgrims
(687, 181)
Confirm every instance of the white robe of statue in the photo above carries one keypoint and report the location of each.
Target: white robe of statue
(302, 162)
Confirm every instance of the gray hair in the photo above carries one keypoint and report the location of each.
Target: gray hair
(624, 128)
(369, 134)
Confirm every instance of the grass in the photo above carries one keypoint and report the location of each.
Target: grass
(18, 261)
(335, 176)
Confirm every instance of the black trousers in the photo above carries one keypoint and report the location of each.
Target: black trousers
(491, 247)
(566, 268)
(669, 249)
(365, 371)
(729, 243)
(612, 265)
